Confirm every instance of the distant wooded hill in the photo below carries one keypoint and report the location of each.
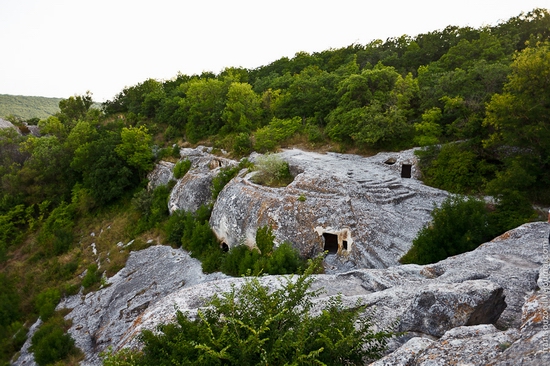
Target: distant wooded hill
(27, 107)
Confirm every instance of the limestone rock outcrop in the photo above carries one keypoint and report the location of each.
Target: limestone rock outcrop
(365, 211)
(440, 307)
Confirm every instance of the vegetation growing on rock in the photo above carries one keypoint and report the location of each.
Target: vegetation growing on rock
(253, 325)
(477, 97)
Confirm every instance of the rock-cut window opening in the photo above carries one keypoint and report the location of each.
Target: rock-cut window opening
(331, 243)
(345, 244)
(406, 170)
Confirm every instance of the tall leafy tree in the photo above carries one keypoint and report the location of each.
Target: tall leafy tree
(204, 105)
(520, 117)
(242, 109)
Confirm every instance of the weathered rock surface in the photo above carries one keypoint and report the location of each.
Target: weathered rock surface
(158, 279)
(439, 307)
(442, 307)
(7, 124)
(161, 175)
(359, 208)
(483, 344)
(195, 188)
(102, 318)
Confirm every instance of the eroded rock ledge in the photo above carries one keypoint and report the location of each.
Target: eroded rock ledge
(366, 211)
(449, 300)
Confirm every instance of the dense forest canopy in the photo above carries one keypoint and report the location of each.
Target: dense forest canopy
(477, 100)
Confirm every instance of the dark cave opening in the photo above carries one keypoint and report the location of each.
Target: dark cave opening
(331, 243)
(406, 170)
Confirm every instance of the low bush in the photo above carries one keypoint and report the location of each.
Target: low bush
(252, 325)
(46, 301)
(152, 207)
(181, 168)
(459, 225)
(92, 277)
(225, 175)
(272, 170)
(265, 258)
(51, 343)
(278, 130)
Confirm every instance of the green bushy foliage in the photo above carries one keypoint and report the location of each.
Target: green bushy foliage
(12, 332)
(152, 207)
(92, 277)
(459, 225)
(46, 301)
(51, 343)
(11, 228)
(56, 236)
(9, 302)
(242, 145)
(192, 232)
(272, 170)
(253, 325)
(181, 168)
(454, 167)
(242, 260)
(225, 175)
(278, 130)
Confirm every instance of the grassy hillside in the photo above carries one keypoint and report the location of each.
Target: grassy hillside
(28, 107)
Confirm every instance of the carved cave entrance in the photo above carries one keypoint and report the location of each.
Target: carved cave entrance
(331, 243)
(225, 247)
(406, 170)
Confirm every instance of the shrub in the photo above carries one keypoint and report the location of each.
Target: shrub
(46, 301)
(152, 207)
(181, 168)
(50, 343)
(269, 137)
(459, 225)
(253, 325)
(225, 175)
(56, 235)
(272, 171)
(243, 260)
(241, 144)
(314, 133)
(92, 276)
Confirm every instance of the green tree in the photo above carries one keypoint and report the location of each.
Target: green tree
(374, 109)
(242, 109)
(47, 174)
(135, 148)
(75, 108)
(104, 174)
(519, 118)
(204, 104)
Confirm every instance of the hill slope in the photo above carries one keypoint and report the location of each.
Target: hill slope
(28, 107)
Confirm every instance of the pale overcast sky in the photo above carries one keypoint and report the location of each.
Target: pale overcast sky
(59, 48)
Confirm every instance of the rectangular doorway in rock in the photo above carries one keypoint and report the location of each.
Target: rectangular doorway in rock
(406, 170)
(345, 244)
(331, 243)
